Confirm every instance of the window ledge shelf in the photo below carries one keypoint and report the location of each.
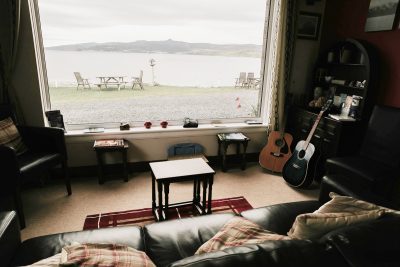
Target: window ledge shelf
(170, 131)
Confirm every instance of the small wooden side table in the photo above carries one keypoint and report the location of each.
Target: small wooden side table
(225, 139)
(164, 173)
(100, 151)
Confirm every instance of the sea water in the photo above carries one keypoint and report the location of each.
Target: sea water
(169, 69)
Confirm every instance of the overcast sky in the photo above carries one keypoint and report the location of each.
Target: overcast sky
(211, 21)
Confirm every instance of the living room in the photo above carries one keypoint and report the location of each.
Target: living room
(49, 209)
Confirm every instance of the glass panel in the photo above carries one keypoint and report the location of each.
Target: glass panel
(153, 60)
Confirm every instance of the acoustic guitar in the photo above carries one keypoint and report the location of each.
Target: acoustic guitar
(295, 171)
(277, 151)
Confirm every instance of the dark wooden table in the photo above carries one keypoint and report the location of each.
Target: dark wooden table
(166, 172)
(225, 139)
(100, 151)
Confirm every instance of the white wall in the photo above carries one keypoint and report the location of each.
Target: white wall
(150, 145)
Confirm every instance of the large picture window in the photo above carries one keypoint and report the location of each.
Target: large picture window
(128, 61)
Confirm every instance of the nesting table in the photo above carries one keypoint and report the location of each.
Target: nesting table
(166, 172)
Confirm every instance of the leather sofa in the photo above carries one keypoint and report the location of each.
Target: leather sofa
(173, 243)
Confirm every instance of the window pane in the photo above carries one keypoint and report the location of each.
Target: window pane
(153, 60)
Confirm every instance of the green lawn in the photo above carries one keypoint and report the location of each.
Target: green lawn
(71, 94)
(152, 103)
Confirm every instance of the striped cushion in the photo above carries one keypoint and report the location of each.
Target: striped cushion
(237, 232)
(104, 255)
(9, 136)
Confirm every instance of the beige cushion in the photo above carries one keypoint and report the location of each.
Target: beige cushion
(9, 136)
(339, 212)
(104, 255)
(236, 232)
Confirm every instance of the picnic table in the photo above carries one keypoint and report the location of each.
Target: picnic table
(111, 80)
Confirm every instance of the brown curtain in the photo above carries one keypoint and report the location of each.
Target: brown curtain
(9, 33)
(285, 39)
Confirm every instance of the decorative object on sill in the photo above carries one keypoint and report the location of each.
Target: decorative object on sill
(148, 124)
(251, 122)
(381, 15)
(164, 124)
(94, 130)
(55, 119)
(308, 25)
(189, 123)
(124, 126)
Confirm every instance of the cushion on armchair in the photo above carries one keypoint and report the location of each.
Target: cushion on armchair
(9, 136)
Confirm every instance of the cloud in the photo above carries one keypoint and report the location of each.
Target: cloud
(218, 21)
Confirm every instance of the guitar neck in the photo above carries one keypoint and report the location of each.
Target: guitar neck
(312, 130)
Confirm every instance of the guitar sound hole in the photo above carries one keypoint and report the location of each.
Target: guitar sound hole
(279, 143)
(302, 153)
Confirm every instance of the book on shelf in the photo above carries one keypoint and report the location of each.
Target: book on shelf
(109, 143)
(232, 136)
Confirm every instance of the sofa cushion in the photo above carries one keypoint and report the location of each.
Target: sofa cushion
(280, 217)
(282, 253)
(236, 232)
(105, 255)
(169, 241)
(35, 249)
(339, 212)
(9, 136)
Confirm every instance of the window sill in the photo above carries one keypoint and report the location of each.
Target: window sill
(170, 131)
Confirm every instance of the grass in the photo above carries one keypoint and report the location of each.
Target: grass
(71, 94)
(152, 103)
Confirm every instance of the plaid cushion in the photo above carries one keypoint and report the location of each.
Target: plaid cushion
(9, 136)
(104, 255)
(236, 232)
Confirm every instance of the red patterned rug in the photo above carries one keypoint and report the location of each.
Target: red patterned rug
(142, 217)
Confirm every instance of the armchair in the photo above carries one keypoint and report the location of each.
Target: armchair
(46, 149)
(376, 168)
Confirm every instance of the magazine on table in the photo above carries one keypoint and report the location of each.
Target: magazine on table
(109, 143)
(233, 136)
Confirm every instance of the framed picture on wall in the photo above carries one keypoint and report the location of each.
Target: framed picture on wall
(308, 25)
(381, 15)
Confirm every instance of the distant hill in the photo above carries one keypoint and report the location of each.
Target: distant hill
(168, 47)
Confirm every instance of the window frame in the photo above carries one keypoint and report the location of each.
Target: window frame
(264, 104)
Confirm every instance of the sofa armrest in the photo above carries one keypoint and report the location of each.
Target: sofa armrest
(9, 168)
(10, 236)
(372, 243)
(337, 184)
(44, 139)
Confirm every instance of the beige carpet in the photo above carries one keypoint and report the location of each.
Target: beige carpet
(49, 210)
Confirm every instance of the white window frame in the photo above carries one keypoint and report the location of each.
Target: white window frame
(265, 88)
